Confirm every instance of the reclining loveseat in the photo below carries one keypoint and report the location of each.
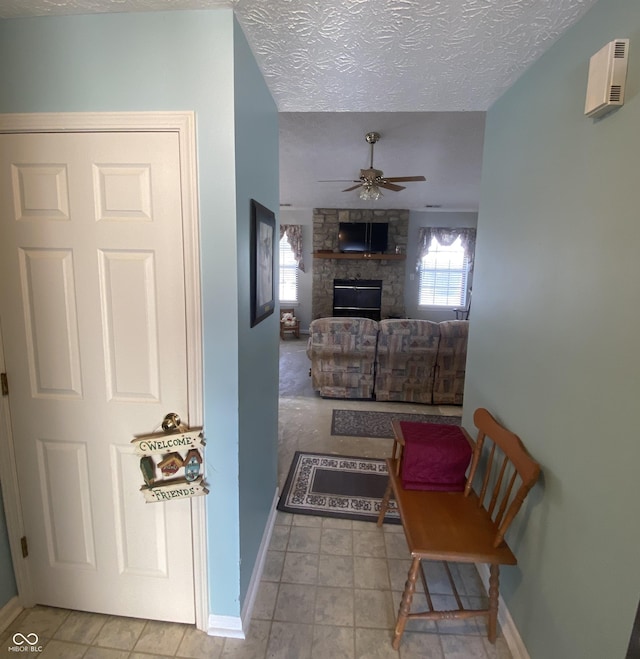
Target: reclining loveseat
(415, 361)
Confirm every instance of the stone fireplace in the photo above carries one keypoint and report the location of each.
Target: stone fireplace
(330, 265)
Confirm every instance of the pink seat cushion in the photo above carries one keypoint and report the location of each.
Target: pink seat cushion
(435, 457)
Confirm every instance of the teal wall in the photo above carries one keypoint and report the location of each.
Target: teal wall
(553, 348)
(257, 178)
(8, 588)
(171, 61)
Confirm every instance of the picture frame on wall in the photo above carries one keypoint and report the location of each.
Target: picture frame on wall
(263, 234)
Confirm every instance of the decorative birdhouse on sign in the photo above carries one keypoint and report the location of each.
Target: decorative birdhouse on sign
(192, 464)
(148, 469)
(170, 464)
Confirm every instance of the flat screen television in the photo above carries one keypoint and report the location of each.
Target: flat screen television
(367, 237)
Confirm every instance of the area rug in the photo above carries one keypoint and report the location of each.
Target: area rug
(336, 486)
(357, 423)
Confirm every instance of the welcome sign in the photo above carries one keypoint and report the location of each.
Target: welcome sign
(170, 463)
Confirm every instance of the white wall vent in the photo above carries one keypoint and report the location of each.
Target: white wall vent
(607, 75)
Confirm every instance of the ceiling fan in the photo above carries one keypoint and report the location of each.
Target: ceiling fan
(371, 180)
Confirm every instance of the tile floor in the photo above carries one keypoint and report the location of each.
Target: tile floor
(330, 588)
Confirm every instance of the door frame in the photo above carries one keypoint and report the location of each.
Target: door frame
(184, 124)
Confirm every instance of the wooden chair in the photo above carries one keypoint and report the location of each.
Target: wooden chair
(462, 527)
(462, 313)
(292, 328)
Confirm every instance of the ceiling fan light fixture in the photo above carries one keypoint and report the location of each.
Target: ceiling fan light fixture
(370, 192)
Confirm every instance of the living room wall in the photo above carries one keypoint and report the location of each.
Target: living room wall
(443, 218)
(256, 151)
(553, 345)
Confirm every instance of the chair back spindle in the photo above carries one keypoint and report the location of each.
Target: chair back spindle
(497, 487)
(505, 499)
(487, 475)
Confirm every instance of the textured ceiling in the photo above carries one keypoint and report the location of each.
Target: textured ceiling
(374, 55)
(347, 57)
(399, 55)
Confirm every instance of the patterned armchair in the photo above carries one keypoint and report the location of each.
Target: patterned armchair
(407, 351)
(448, 386)
(342, 353)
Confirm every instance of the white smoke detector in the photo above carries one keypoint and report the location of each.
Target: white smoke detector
(607, 76)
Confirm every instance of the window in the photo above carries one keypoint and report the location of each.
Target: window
(288, 272)
(443, 275)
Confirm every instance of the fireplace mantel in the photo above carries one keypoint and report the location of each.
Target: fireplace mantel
(357, 256)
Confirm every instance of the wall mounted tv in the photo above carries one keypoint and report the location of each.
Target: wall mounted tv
(367, 237)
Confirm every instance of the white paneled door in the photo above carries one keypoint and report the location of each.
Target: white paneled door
(92, 304)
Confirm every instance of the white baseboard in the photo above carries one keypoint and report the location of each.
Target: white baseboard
(9, 612)
(258, 568)
(510, 631)
(234, 626)
(227, 626)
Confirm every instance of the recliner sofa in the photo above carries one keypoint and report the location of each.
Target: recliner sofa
(406, 360)
(342, 353)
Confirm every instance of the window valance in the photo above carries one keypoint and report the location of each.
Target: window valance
(294, 238)
(446, 236)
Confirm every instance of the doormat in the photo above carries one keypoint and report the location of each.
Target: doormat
(340, 486)
(358, 423)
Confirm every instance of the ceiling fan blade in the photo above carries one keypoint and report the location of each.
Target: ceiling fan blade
(390, 186)
(404, 178)
(353, 187)
(338, 180)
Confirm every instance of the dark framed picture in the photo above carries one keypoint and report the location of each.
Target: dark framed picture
(263, 232)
